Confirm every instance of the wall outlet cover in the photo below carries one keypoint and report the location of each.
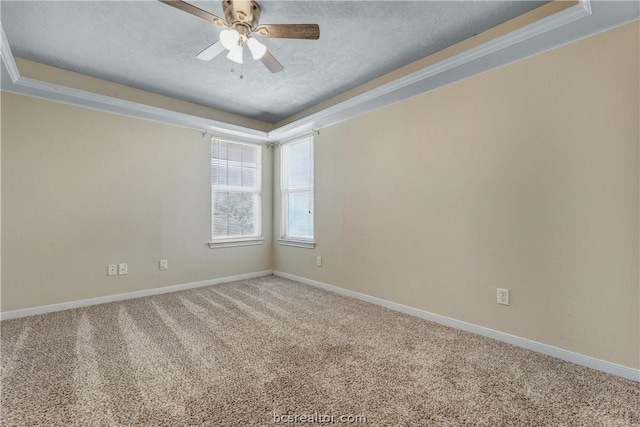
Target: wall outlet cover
(503, 296)
(123, 268)
(112, 270)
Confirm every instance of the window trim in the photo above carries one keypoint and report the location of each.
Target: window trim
(309, 244)
(227, 242)
(296, 241)
(235, 243)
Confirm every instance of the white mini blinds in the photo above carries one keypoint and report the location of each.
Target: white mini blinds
(297, 190)
(235, 190)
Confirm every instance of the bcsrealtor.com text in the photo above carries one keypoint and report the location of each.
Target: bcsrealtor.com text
(319, 418)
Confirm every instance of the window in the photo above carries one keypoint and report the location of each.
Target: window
(235, 193)
(297, 192)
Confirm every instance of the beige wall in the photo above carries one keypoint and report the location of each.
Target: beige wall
(82, 189)
(525, 177)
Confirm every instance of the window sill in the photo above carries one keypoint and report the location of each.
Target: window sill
(297, 243)
(235, 243)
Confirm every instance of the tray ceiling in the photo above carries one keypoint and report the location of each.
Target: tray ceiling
(151, 46)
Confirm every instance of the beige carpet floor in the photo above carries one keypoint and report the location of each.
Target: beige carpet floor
(252, 352)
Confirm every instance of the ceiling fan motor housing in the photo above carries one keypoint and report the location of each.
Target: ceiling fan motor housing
(242, 14)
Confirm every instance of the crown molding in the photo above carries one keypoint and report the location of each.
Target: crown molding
(7, 57)
(555, 30)
(583, 8)
(66, 95)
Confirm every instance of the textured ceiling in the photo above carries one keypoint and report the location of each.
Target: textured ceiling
(151, 46)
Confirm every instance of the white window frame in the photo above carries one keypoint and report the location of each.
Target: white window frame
(285, 239)
(257, 238)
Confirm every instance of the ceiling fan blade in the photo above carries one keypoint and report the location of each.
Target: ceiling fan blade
(271, 63)
(290, 31)
(211, 52)
(189, 8)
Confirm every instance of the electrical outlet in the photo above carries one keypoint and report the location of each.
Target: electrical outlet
(503, 296)
(319, 261)
(122, 268)
(112, 270)
(164, 264)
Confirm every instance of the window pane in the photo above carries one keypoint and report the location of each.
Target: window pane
(218, 172)
(249, 156)
(234, 214)
(235, 166)
(220, 219)
(300, 165)
(219, 150)
(248, 177)
(234, 152)
(297, 189)
(234, 177)
(300, 206)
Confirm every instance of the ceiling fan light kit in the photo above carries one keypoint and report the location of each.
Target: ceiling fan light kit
(229, 38)
(235, 54)
(241, 21)
(257, 49)
(232, 40)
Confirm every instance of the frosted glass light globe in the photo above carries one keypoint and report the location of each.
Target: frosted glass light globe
(257, 49)
(229, 38)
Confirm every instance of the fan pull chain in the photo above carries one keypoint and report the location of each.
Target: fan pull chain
(233, 70)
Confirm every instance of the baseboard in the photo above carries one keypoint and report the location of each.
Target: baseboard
(129, 295)
(569, 356)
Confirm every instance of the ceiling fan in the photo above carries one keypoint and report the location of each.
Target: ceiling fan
(239, 27)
